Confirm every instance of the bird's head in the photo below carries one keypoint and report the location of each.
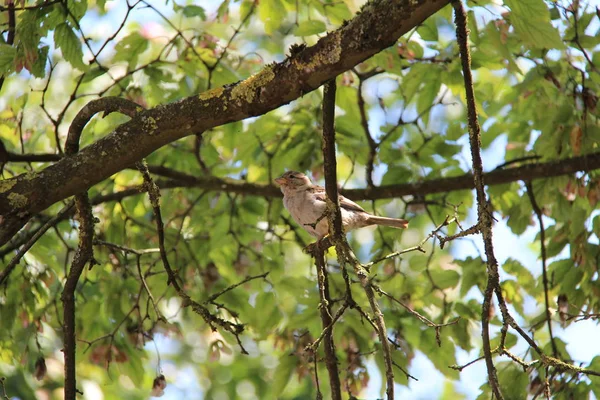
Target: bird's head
(292, 180)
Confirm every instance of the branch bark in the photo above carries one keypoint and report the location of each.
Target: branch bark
(327, 321)
(336, 232)
(378, 26)
(588, 162)
(179, 179)
(484, 215)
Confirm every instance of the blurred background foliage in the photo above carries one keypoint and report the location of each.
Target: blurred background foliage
(400, 118)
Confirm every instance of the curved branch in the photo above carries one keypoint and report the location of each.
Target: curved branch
(107, 105)
(85, 251)
(377, 27)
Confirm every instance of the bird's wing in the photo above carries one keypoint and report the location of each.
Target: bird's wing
(346, 204)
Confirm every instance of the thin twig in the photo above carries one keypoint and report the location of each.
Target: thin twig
(538, 212)
(327, 330)
(211, 320)
(125, 249)
(229, 288)
(150, 296)
(404, 371)
(4, 395)
(459, 368)
(36, 236)
(328, 322)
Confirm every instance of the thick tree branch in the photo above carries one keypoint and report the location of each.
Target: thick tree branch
(526, 173)
(106, 105)
(179, 179)
(378, 26)
(82, 256)
(32, 157)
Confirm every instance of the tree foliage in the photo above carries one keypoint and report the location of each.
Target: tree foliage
(197, 269)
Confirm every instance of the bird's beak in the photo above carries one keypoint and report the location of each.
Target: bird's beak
(281, 180)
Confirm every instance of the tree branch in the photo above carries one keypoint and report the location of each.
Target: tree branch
(538, 212)
(211, 320)
(179, 179)
(64, 213)
(484, 216)
(336, 232)
(86, 232)
(327, 321)
(378, 26)
(525, 173)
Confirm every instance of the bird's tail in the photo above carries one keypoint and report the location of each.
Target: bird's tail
(393, 222)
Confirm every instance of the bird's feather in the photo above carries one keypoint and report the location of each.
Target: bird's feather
(345, 203)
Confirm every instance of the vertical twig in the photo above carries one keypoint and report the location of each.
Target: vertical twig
(365, 125)
(4, 395)
(336, 222)
(538, 213)
(319, 394)
(212, 320)
(484, 216)
(327, 320)
(82, 256)
(335, 229)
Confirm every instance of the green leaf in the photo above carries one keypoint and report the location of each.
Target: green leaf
(130, 48)
(531, 20)
(337, 12)
(428, 30)
(194, 11)
(93, 74)
(77, 8)
(7, 58)
(523, 275)
(445, 278)
(512, 380)
(223, 9)
(69, 44)
(417, 74)
(308, 28)
(283, 373)
(595, 366)
(38, 68)
(397, 174)
(271, 13)
(472, 274)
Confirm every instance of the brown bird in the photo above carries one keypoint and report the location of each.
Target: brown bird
(306, 204)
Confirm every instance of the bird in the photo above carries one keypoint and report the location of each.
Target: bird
(306, 203)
